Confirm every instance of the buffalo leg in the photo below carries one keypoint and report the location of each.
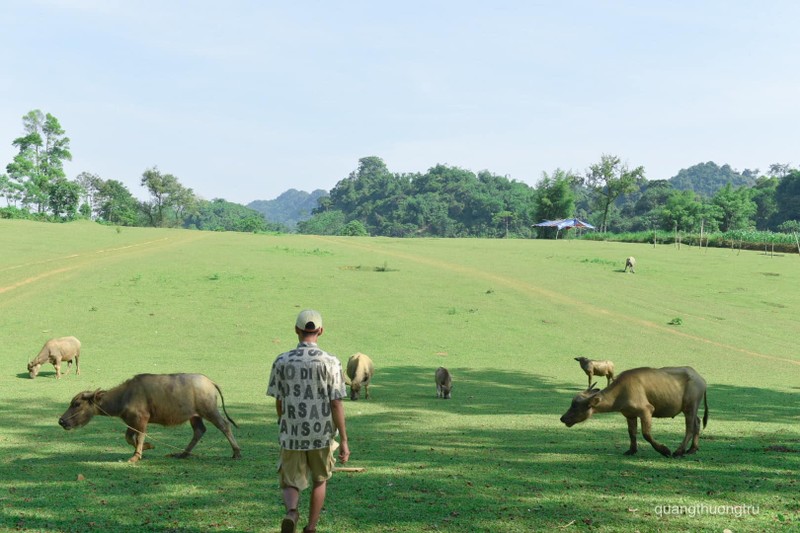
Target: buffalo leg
(222, 424)
(692, 434)
(691, 427)
(57, 364)
(366, 391)
(199, 430)
(136, 438)
(632, 423)
(660, 448)
(77, 367)
(696, 439)
(132, 435)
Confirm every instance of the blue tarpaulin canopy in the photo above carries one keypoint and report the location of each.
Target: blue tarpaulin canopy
(564, 224)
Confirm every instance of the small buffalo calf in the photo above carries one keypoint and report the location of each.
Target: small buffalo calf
(359, 374)
(57, 351)
(444, 383)
(597, 368)
(630, 263)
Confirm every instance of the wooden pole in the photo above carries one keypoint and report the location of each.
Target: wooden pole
(702, 224)
(349, 469)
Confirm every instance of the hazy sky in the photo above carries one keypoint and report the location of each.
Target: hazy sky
(243, 100)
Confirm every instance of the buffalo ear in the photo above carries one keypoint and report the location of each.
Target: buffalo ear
(87, 396)
(594, 400)
(97, 396)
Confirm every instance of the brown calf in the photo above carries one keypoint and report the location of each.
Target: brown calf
(359, 373)
(597, 368)
(55, 351)
(444, 383)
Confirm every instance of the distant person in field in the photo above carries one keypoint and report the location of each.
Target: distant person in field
(308, 386)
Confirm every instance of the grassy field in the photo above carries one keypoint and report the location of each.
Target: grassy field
(506, 317)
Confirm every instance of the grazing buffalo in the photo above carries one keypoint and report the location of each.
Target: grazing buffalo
(630, 263)
(444, 383)
(359, 374)
(166, 399)
(597, 368)
(55, 351)
(647, 393)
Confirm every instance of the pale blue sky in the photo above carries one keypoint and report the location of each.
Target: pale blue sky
(243, 100)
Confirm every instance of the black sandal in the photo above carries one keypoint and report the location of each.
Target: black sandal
(289, 524)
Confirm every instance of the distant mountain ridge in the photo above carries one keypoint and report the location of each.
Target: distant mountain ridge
(290, 207)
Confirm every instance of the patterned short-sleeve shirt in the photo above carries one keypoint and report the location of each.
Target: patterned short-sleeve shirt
(306, 380)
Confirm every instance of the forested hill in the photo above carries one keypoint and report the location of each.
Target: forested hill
(707, 178)
(289, 208)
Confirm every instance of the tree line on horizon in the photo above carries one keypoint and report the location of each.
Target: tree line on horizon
(445, 201)
(453, 202)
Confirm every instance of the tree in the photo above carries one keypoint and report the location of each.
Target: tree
(10, 190)
(682, 211)
(90, 183)
(609, 179)
(184, 203)
(779, 170)
(221, 215)
(504, 217)
(166, 194)
(325, 223)
(736, 207)
(555, 198)
(363, 188)
(63, 198)
(787, 197)
(645, 211)
(763, 194)
(354, 228)
(42, 151)
(116, 204)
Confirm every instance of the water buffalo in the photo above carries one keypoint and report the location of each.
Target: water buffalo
(359, 373)
(597, 368)
(55, 351)
(166, 399)
(630, 263)
(647, 393)
(444, 383)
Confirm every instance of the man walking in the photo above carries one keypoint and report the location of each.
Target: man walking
(308, 386)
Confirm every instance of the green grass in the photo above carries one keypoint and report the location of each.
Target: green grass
(505, 316)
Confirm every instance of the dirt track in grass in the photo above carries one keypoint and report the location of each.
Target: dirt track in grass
(83, 259)
(553, 296)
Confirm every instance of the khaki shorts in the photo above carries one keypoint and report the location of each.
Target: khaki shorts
(295, 466)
